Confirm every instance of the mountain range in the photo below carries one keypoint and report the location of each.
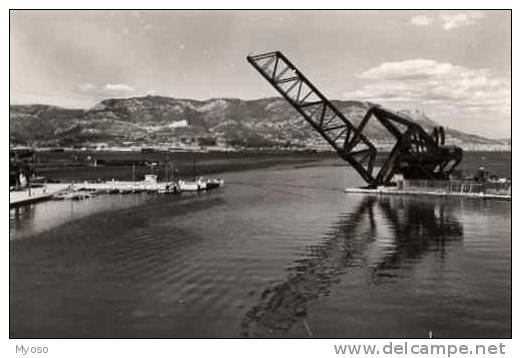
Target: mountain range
(153, 120)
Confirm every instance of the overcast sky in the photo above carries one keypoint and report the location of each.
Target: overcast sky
(455, 65)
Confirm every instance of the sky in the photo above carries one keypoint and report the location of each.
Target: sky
(454, 65)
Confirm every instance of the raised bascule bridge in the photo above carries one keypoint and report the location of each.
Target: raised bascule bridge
(416, 154)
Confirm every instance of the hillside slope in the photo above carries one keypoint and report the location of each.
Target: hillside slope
(156, 119)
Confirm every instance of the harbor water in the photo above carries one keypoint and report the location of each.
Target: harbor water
(279, 252)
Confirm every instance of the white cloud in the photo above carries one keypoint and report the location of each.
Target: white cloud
(420, 20)
(106, 91)
(449, 21)
(118, 88)
(453, 21)
(409, 69)
(462, 93)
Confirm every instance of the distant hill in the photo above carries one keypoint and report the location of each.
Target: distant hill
(39, 123)
(156, 119)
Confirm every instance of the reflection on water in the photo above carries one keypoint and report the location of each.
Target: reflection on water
(277, 253)
(29, 220)
(416, 228)
(355, 240)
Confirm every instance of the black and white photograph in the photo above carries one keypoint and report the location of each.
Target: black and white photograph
(258, 174)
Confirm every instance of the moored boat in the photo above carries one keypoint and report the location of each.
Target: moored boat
(214, 183)
(73, 195)
(197, 185)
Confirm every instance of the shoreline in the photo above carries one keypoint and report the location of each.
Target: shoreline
(80, 166)
(178, 167)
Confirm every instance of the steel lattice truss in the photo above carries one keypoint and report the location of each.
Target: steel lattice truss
(416, 154)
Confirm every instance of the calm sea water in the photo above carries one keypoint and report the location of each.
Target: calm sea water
(280, 252)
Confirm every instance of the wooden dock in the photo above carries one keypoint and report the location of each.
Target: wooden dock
(74, 190)
(123, 186)
(25, 197)
(396, 191)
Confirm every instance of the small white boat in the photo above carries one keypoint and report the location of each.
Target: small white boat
(169, 189)
(197, 185)
(201, 183)
(73, 195)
